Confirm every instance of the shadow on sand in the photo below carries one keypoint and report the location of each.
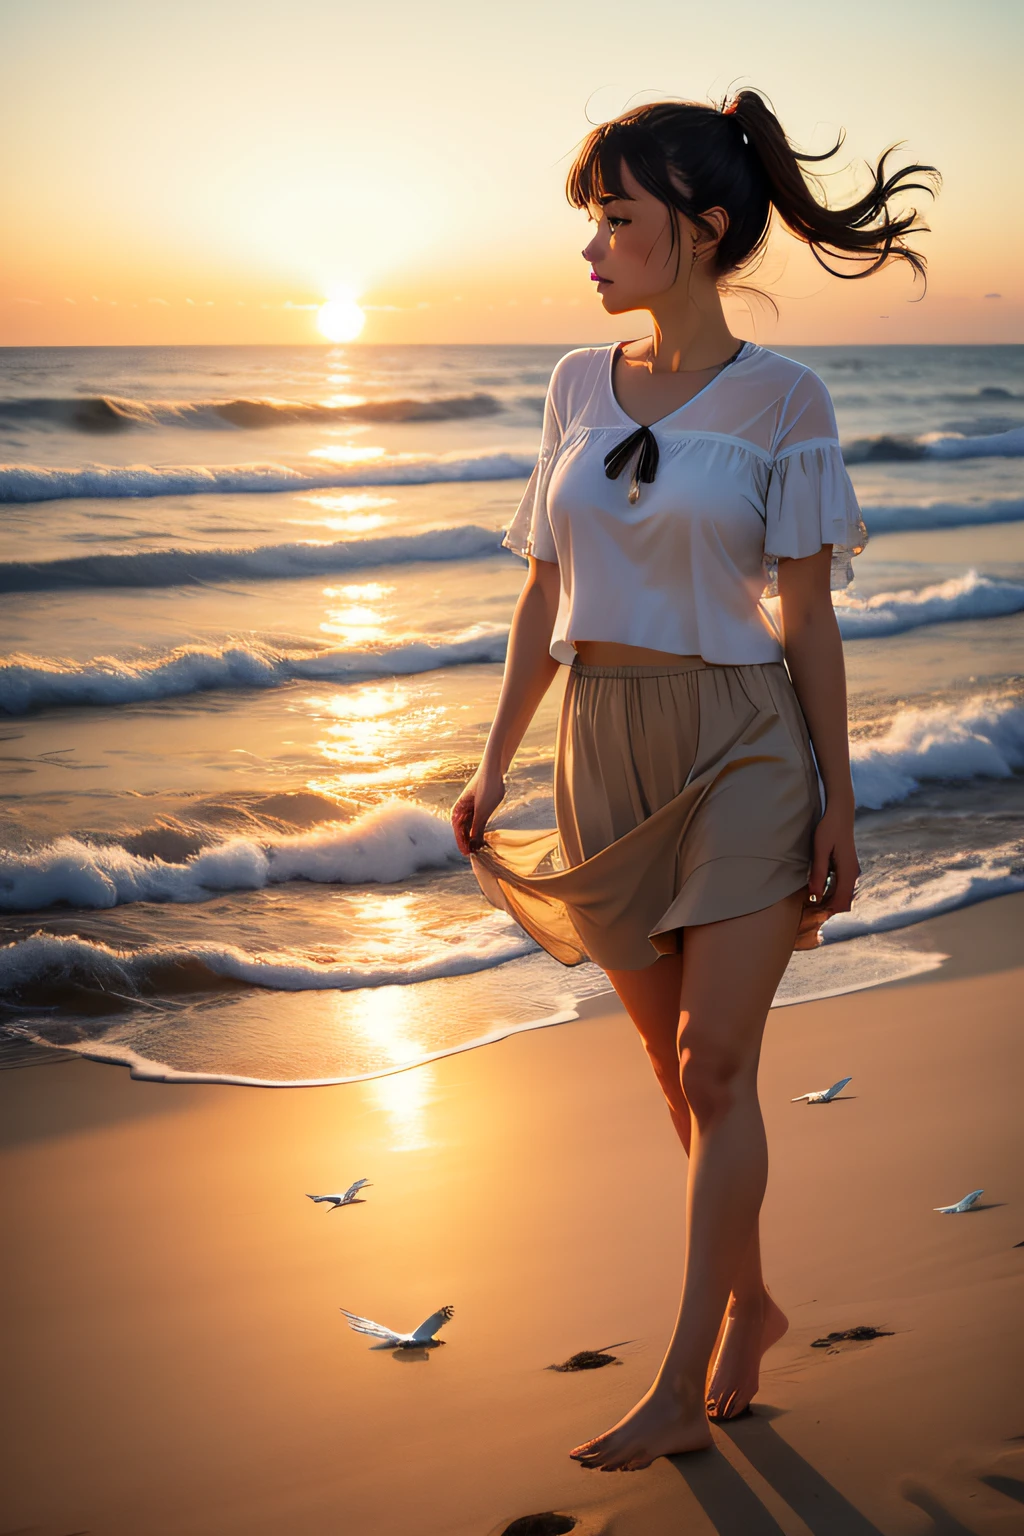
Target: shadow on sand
(735, 1510)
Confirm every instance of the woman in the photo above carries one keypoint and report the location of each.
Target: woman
(699, 841)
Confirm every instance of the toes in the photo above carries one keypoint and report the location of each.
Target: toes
(586, 1448)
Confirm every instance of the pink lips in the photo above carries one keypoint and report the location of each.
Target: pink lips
(595, 277)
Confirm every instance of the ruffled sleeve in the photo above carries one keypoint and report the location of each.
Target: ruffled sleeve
(810, 499)
(529, 532)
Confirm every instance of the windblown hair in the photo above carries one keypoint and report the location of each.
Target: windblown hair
(694, 157)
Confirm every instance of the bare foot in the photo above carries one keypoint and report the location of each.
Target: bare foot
(661, 1424)
(735, 1376)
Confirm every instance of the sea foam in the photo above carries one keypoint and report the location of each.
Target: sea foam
(891, 901)
(891, 613)
(33, 482)
(388, 843)
(50, 970)
(982, 737)
(27, 683)
(61, 965)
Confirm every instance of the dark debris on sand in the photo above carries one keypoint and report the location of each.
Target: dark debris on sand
(851, 1333)
(549, 1524)
(585, 1360)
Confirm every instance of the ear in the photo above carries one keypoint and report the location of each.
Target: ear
(719, 221)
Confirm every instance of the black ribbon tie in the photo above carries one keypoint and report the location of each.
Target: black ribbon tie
(646, 466)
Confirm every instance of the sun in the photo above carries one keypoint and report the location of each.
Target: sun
(340, 319)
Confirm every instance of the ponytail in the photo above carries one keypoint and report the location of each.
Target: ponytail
(737, 157)
(866, 231)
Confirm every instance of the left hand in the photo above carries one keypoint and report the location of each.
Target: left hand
(835, 852)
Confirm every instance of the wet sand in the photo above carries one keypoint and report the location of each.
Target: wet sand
(176, 1363)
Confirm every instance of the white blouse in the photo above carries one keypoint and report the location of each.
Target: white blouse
(748, 470)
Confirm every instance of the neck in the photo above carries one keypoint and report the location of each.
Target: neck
(691, 336)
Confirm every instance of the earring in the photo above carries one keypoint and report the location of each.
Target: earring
(693, 251)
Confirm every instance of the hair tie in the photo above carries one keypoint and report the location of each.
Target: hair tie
(730, 111)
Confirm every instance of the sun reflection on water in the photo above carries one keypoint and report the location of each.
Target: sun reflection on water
(347, 513)
(369, 732)
(346, 453)
(383, 1017)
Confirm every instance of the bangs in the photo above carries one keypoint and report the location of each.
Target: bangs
(596, 176)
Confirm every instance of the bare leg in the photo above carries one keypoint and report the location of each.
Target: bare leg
(729, 975)
(752, 1321)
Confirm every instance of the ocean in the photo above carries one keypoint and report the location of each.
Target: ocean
(253, 621)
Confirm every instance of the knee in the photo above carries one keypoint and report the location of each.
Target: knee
(710, 1072)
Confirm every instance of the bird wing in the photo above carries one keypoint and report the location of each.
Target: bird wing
(354, 1189)
(375, 1330)
(427, 1330)
(968, 1200)
(830, 1093)
(318, 1198)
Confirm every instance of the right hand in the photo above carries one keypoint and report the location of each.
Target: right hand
(475, 806)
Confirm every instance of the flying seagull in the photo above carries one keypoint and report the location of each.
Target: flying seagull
(824, 1095)
(420, 1336)
(961, 1205)
(348, 1198)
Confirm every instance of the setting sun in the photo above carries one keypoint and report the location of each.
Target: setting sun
(340, 319)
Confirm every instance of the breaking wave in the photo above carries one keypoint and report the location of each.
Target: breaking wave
(111, 413)
(981, 738)
(27, 684)
(267, 562)
(272, 562)
(33, 482)
(48, 969)
(891, 901)
(925, 516)
(51, 971)
(936, 445)
(891, 613)
(388, 843)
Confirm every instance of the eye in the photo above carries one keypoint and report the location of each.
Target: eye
(613, 220)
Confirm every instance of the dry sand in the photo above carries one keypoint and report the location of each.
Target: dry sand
(176, 1361)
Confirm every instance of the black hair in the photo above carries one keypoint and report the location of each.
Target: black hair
(693, 157)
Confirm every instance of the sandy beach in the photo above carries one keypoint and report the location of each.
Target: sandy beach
(178, 1363)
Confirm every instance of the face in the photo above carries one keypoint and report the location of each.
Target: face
(630, 251)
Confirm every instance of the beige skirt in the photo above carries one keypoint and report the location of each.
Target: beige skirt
(684, 794)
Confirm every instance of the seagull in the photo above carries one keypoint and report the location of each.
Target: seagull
(348, 1198)
(961, 1205)
(824, 1095)
(419, 1337)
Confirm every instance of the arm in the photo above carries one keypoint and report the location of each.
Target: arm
(529, 672)
(814, 654)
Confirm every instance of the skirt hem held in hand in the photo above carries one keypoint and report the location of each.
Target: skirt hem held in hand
(684, 794)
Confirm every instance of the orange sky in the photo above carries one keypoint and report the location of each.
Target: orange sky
(212, 172)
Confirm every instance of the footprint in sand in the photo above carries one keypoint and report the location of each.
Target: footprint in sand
(554, 1523)
(550, 1524)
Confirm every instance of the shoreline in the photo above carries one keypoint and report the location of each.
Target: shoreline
(179, 1363)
